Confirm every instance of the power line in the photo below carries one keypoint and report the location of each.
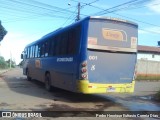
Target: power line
(137, 20)
(132, 18)
(69, 18)
(129, 17)
(22, 9)
(149, 31)
(51, 6)
(135, 6)
(48, 8)
(79, 7)
(86, 3)
(42, 6)
(117, 6)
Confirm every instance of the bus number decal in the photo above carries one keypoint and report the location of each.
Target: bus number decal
(93, 67)
(70, 59)
(92, 57)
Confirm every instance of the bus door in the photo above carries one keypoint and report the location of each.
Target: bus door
(111, 51)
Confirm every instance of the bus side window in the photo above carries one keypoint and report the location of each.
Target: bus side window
(46, 48)
(72, 42)
(63, 44)
(36, 51)
(24, 54)
(74, 38)
(42, 50)
(57, 45)
(39, 50)
(33, 51)
(51, 47)
(28, 52)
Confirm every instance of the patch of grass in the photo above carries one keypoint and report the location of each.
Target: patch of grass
(157, 96)
(148, 77)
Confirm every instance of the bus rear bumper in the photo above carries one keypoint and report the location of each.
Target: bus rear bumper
(87, 88)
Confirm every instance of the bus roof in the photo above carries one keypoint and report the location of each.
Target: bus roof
(114, 19)
(79, 22)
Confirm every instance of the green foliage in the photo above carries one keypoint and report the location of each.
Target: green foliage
(6, 64)
(3, 63)
(3, 32)
(157, 96)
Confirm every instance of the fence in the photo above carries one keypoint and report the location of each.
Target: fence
(148, 70)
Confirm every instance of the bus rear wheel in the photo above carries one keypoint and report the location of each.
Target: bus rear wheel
(28, 78)
(48, 82)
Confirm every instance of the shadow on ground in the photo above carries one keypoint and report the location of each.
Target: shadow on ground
(62, 100)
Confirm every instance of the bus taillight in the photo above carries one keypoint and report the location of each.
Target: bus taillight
(84, 70)
(84, 76)
(84, 73)
(84, 64)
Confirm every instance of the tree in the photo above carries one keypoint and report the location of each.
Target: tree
(3, 64)
(13, 64)
(3, 32)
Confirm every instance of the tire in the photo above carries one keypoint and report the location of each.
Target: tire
(28, 78)
(48, 82)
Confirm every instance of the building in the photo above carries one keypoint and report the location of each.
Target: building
(148, 53)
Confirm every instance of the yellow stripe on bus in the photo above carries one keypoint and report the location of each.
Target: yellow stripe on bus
(87, 88)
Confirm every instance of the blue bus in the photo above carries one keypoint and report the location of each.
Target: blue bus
(93, 55)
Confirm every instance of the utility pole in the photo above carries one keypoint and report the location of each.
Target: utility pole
(78, 14)
(10, 62)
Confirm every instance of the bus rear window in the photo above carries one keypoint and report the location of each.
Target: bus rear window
(107, 34)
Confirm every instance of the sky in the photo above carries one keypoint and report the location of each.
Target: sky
(29, 20)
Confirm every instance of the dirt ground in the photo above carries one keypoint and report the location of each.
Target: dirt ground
(18, 94)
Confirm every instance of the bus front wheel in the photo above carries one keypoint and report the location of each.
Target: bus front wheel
(48, 82)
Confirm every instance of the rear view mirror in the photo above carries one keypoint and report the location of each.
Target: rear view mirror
(21, 56)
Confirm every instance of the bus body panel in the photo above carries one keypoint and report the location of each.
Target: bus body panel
(105, 67)
(63, 73)
(111, 51)
(60, 71)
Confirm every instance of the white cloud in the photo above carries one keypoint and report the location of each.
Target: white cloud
(150, 30)
(142, 32)
(154, 29)
(13, 45)
(154, 6)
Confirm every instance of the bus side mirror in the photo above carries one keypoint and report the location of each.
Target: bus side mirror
(21, 56)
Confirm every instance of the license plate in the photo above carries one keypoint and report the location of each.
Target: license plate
(111, 89)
